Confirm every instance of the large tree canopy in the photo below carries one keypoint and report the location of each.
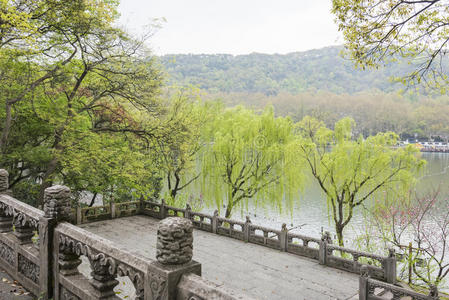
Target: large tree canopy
(351, 171)
(79, 98)
(377, 31)
(248, 156)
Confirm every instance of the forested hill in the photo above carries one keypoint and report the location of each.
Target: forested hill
(321, 69)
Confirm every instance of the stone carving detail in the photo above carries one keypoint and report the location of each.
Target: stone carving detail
(326, 237)
(3, 180)
(174, 241)
(29, 269)
(7, 253)
(105, 268)
(397, 292)
(65, 294)
(20, 218)
(157, 286)
(57, 202)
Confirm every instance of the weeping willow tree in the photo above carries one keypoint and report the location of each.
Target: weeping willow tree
(248, 157)
(350, 171)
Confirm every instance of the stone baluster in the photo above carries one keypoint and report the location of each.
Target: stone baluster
(102, 281)
(5, 220)
(433, 292)
(163, 212)
(363, 283)
(56, 208)
(325, 239)
(247, 229)
(215, 221)
(174, 253)
(188, 212)
(283, 238)
(390, 266)
(22, 230)
(68, 262)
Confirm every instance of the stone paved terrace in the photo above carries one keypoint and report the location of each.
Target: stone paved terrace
(257, 271)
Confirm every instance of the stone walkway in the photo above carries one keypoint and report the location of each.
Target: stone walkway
(254, 270)
(11, 290)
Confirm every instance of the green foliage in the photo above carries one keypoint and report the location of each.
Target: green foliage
(78, 100)
(248, 157)
(314, 70)
(352, 171)
(380, 32)
(185, 116)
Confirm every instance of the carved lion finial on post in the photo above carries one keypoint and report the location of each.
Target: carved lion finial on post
(391, 252)
(174, 241)
(364, 271)
(327, 237)
(284, 227)
(216, 213)
(433, 291)
(4, 184)
(248, 220)
(57, 202)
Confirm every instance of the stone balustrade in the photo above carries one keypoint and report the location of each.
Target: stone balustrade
(48, 267)
(321, 249)
(372, 289)
(165, 278)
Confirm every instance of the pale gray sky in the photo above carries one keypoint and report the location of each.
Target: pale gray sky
(234, 26)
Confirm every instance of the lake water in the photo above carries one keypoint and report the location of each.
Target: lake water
(310, 214)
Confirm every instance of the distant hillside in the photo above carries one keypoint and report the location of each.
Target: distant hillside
(322, 69)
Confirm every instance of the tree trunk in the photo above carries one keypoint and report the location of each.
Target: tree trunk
(339, 230)
(47, 179)
(228, 212)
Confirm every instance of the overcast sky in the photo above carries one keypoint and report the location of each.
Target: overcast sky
(233, 26)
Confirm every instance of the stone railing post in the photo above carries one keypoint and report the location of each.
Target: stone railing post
(215, 221)
(390, 267)
(5, 220)
(79, 216)
(141, 205)
(363, 283)
(283, 238)
(247, 229)
(322, 254)
(163, 211)
(174, 258)
(57, 208)
(112, 209)
(433, 292)
(188, 212)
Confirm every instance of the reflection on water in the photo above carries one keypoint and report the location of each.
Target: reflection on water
(310, 214)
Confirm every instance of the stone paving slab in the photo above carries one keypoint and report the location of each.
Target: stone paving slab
(258, 271)
(10, 290)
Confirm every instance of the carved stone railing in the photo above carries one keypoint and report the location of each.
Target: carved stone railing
(151, 279)
(125, 209)
(19, 256)
(26, 236)
(379, 267)
(321, 249)
(303, 245)
(371, 289)
(42, 251)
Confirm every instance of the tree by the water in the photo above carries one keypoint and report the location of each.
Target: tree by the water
(351, 171)
(248, 158)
